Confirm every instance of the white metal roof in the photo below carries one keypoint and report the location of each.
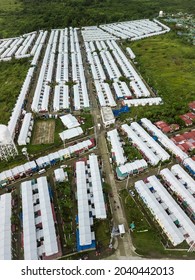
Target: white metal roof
(22, 138)
(162, 154)
(5, 227)
(29, 232)
(5, 136)
(165, 141)
(100, 211)
(69, 121)
(130, 167)
(50, 240)
(151, 156)
(83, 207)
(174, 208)
(183, 175)
(71, 133)
(59, 175)
(178, 187)
(143, 101)
(117, 149)
(161, 216)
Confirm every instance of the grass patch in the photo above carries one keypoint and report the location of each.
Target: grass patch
(102, 233)
(10, 5)
(88, 121)
(18, 160)
(65, 203)
(131, 152)
(168, 64)
(147, 237)
(12, 75)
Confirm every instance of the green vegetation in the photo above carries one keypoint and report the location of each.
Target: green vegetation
(147, 237)
(21, 16)
(102, 233)
(18, 160)
(65, 204)
(88, 121)
(106, 188)
(167, 63)
(12, 75)
(131, 152)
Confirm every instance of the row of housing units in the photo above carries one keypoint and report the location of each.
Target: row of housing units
(9, 176)
(168, 144)
(107, 61)
(40, 240)
(90, 201)
(170, 197)
(62, 44)
(73, 128)
(26, 45)
(132, 30)
(16, 114)
(154, 146)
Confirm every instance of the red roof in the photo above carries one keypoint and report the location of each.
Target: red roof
(160, 123)
(187, 121)
(179, 138)
(182, 148)
(192, 105)
(190, 116)
(92, 143)
(189, 135)
(185, 146)
(190, 144)
(166, 129)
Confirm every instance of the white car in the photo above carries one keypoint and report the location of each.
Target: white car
(131, 193)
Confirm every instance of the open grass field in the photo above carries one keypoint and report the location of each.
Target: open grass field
(167, 63)
(43, 132)
(10, 5)
(21, 16)
(12, 75)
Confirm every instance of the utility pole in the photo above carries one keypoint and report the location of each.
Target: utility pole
(127, 181)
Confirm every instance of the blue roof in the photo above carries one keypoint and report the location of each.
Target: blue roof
(86, 247)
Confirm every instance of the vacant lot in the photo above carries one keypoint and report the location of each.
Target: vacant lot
(12, 75)
(44, 132)
(168, 65)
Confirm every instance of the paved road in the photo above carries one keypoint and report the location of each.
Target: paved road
(124, 245)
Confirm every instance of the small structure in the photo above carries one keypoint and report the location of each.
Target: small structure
(7, 146)
(26, 130)
(121, 229)
(71, 133)
(186, 120)
(59, 175)
(69, 121)
(107, 116)
(166, 128)
(161, 14)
